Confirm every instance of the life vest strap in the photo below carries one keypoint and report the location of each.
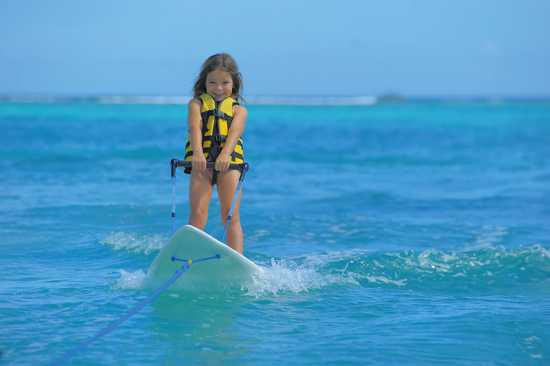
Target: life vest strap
(216, 113)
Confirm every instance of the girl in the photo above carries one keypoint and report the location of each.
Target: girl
(216, 124)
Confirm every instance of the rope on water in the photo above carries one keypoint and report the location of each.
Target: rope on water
(133, 311)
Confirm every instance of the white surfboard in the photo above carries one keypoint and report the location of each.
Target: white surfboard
(231, 269)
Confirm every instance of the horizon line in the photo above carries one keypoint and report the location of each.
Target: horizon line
(51, 98)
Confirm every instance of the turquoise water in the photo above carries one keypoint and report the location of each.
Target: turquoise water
(413, 233)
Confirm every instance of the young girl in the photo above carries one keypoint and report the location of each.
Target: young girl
(216, 124)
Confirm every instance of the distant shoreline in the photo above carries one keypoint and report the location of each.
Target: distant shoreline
(263, 100)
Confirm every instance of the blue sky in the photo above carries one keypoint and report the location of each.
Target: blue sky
(285, 47)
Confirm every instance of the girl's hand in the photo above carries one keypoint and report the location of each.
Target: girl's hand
(222, 162)
(198, 162)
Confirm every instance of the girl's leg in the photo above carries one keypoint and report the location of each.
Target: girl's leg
(200, 192)
(227, 184)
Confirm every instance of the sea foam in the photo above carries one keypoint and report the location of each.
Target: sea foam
(145, 244)
(130, 280)
(287, 277)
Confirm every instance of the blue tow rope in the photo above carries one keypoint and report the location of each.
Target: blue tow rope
(174, 164)
(133, 311)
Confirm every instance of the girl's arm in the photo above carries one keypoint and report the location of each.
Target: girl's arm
(236, 131)
(195, 134)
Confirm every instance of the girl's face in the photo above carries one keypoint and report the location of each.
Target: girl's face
(219, 84)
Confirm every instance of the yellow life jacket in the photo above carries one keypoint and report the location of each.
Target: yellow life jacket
(216, 122)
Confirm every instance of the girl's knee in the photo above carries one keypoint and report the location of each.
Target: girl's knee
(199, 217)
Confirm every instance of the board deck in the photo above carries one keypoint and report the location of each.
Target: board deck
(231, 270)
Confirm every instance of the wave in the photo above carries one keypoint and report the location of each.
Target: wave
(488, 268)
(483, 268)
(143, 244)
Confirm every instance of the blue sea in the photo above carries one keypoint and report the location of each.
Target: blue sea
(413, 232)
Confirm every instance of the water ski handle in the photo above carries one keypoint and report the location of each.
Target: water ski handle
(175, 163)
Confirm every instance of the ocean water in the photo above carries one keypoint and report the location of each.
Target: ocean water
(397, 233)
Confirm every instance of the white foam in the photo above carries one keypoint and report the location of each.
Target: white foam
(283, 276)
(130, 280)
(431, 259)
(386, 281)
(538, 248)
(145, 244)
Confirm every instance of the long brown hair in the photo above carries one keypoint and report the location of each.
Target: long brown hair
(224, 62)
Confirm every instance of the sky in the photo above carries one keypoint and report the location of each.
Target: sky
(285, 47)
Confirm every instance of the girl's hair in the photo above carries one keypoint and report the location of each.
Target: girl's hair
(224, 62)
